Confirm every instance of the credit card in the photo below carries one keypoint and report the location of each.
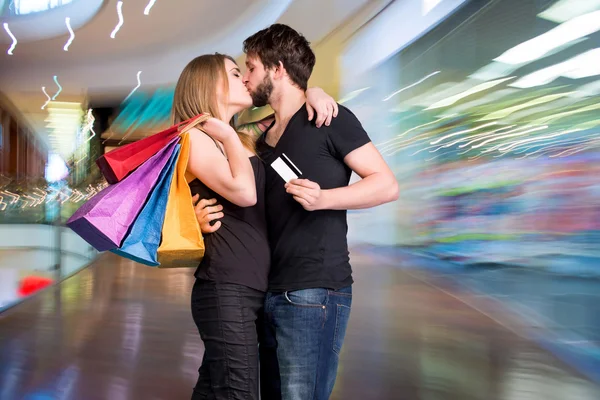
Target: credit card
(285, 171)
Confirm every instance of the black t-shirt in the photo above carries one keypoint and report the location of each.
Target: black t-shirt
(238, 252)
(309, 249)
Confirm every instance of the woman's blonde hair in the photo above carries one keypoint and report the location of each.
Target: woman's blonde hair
(196, 91)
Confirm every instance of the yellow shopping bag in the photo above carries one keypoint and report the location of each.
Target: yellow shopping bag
(182, 244)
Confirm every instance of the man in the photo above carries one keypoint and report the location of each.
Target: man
(310, 283)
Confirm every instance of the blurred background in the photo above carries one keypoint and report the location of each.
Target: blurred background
(486, 110)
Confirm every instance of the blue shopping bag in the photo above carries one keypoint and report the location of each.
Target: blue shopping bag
(141, 245)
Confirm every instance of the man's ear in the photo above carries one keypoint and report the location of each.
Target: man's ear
(279, 71)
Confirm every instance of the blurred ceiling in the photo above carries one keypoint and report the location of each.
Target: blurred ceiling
(97, 66)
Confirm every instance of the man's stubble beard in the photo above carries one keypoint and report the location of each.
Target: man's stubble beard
(260, 96)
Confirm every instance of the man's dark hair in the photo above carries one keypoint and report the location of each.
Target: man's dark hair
(278, 43)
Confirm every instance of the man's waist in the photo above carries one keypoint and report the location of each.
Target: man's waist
(319, 259)
(278, 287)
(303, 274)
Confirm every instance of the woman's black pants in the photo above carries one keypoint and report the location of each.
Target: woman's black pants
(227, 316)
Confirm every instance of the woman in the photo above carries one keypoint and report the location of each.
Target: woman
(232, 278)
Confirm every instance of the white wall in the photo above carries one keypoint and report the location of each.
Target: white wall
(400, 24)
(32, 247)
(15, 236)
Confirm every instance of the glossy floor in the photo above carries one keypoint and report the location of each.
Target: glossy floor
(121, 331)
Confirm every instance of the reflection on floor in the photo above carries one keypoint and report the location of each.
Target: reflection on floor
(560, 311)
(122, 331)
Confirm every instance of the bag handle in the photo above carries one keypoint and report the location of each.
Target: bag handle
(192, 122)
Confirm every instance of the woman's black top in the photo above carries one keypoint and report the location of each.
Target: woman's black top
(238, 252)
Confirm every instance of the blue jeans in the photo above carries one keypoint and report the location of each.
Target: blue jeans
(303, 335)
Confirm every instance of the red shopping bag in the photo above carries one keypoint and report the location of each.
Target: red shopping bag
(118, 163)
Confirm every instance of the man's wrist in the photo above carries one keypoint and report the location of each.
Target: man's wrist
(325, 202)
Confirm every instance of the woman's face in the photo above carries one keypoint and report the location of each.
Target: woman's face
(239, 97)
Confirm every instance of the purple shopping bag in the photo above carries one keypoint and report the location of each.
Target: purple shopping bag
(106, 218)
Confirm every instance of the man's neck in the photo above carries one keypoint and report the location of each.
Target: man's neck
(285, 104)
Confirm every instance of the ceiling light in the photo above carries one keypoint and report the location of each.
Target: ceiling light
(542, 45)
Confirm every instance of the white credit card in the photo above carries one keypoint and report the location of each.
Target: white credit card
(284, 170)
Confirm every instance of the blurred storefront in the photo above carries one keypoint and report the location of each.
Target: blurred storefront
(490, 122)
(22, 155)
(29, 204)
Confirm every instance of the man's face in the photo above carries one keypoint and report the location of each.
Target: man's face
(258, 81)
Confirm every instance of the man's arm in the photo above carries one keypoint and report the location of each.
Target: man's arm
(318, 103)
(255, 129)
(377, 186)
(351, 144)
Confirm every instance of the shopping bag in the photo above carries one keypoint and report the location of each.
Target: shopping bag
(118, 163)
(105, 219)
(182, 244)
(141, 244)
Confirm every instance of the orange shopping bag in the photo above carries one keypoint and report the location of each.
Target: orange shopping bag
(182, 244)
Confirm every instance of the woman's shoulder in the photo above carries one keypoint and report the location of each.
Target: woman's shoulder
(202, 140)
(196, 132)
